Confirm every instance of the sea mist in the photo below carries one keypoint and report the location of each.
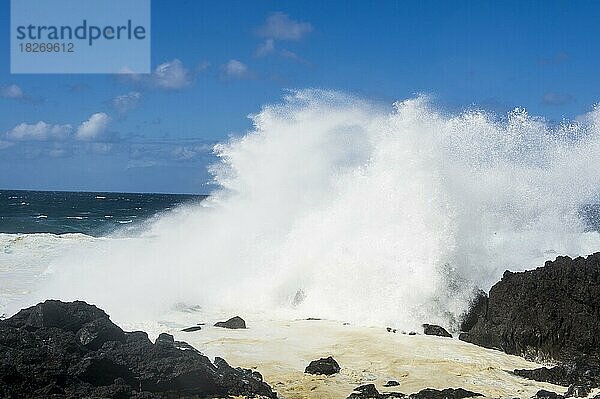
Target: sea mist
(337, 207)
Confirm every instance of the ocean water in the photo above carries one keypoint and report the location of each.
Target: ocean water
(90, 213)
(338, 207)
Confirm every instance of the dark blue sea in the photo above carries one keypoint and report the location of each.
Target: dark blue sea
(91, 213)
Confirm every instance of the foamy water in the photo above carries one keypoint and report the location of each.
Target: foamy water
(337, 207)
(281, 349)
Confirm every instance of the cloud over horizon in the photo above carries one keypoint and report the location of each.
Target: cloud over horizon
(40, 131)
(89, 130)
(93, 128)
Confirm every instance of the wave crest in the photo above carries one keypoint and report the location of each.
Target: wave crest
(335, 206)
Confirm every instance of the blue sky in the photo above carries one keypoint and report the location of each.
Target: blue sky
(217, 61)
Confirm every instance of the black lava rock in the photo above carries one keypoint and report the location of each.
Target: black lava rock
(578, 391)
(448, 393)
(94, 334)
(69, 316)
(551, 312)
(165, 340)
(325, 366)
(581, 375)
(432, 329)
(543, 394)
(73, 350)
(391, 383)
(233, 323)
(192, 329)
(370, 392)
(477, 310)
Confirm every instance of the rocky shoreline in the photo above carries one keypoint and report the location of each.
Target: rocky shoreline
(72, 350)
(550, 314)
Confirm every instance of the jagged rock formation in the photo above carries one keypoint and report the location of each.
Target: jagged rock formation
(73, 350)
(552, 312)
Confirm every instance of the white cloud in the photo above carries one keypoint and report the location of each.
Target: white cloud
(12, 91)
(279, 26)
(90, 129)
(265, 48)
(126, 102)
(93, 128)
(171, 75)
(39, 131)
(235, 69)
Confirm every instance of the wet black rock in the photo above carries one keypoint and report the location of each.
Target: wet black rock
(391, 383)
(543, 394)
(68, 316)
(95, 333)
(578, 391)
(165, 339)
(234, 323)
(477, 309)
(184, 346)
(73, 350)
(370, 392)
(192, 329)
(432, 329)
(367, 390)
(324, 366)
(552, 312)
(581, 375)
(448, 393)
